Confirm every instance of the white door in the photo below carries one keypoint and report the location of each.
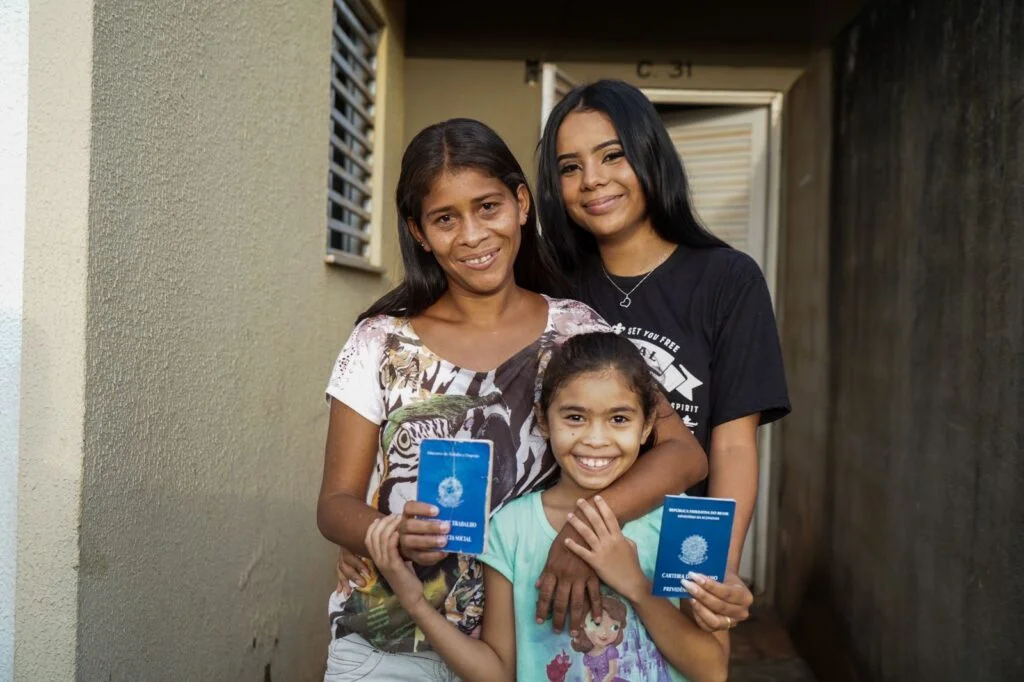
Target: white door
(554, 85)
(725, 154)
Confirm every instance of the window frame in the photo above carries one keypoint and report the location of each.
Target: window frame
(357, 32)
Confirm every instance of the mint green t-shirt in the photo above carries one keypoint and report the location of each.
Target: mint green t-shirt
(518, 541)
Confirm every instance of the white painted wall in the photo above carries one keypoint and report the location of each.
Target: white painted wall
(13, 133)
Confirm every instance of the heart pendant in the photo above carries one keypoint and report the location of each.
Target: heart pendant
(626, 302)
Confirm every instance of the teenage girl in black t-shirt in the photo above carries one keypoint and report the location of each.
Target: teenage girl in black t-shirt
(614, 203)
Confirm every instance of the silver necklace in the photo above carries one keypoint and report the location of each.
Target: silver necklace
(627, 301)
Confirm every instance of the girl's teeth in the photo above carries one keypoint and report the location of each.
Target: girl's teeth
(594, 463)
(481, 259)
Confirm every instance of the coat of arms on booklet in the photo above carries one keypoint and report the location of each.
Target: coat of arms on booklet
(455, 477)
(695, 536)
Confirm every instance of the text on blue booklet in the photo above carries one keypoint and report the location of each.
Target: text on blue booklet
(455, 477)
(695, 534)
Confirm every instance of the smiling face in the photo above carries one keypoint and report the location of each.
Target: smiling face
(472, 223)
(600, 190)
(605, 632)
(596, 425)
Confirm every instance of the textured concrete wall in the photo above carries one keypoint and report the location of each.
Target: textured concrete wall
(925, 547)
(185, 212)
(800, 496)
(800, 473)
(13, 141)
(213, 325)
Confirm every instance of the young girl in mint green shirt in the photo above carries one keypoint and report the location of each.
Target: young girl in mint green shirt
(597, 409)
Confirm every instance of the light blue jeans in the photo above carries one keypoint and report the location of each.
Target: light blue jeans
(352, 658)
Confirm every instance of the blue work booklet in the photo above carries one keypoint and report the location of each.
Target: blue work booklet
(455, 476)
(695, 536)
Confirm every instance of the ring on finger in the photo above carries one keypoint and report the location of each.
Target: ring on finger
(728, 623)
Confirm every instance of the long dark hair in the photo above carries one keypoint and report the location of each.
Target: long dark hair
(594, 352)
(454, 145)
(649, 151)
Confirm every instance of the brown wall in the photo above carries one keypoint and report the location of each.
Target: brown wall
(494, 92)
(923, 547)
(801, 465)
(803, 327)
(389, 137)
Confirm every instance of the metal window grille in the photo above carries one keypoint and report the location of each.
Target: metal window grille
(356, 35)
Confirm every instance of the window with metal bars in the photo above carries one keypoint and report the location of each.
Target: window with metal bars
(356, 34)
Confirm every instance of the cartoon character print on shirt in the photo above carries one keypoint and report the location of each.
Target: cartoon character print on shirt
(558, 667)
(678, 381)
(599, 641)
(613, 648)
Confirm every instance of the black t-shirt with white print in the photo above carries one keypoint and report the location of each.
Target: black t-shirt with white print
(704, 321)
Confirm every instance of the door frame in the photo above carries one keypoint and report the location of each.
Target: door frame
(774, 100)
(553, 81)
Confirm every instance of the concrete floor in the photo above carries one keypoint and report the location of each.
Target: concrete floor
(763, 652)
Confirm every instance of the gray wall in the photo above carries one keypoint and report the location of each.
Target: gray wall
(800, 463)
(924, 549)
